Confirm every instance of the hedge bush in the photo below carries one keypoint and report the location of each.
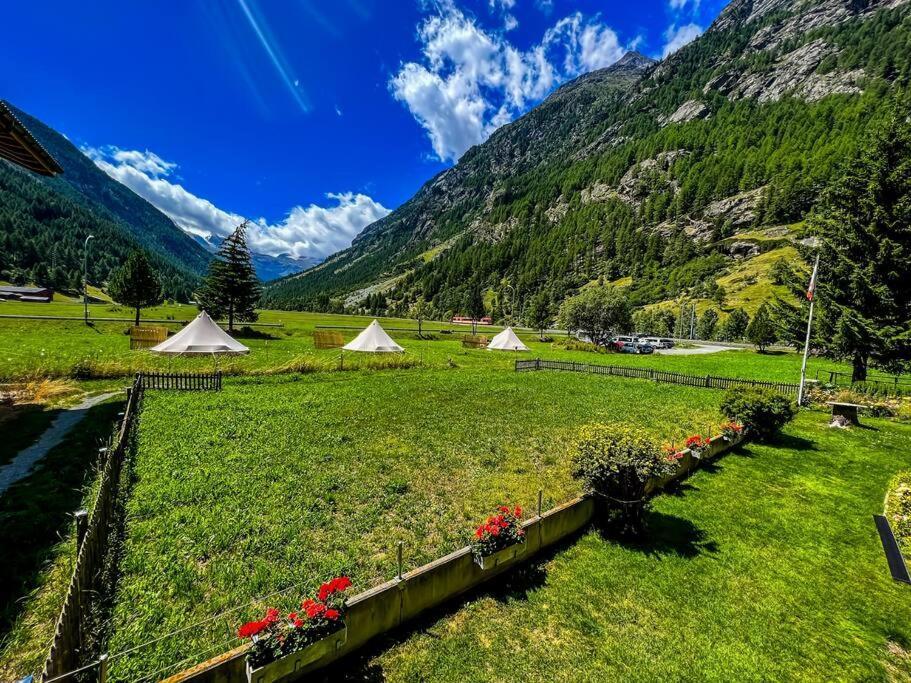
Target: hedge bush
(615, 462)
(762, 412)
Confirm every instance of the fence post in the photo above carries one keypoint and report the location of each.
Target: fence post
(540, 502)
(707, 381)
(82, 525)
(103, 668)
(399, 558)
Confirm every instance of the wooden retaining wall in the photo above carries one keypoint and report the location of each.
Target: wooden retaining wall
(92, 539)
(396, 602)
(704, 381)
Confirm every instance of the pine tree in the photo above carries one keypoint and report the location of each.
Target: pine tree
(136, 284)
(707, 324)
(864, 222)
(231, 289)
(538, 315)
(761, 331)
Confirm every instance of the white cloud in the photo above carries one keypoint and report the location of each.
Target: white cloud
(471, 81)
(313, 231)
(680, 5)
(676, 37)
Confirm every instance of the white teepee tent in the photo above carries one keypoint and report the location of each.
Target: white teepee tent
(507, 341)
(202, 336)
(373, 340)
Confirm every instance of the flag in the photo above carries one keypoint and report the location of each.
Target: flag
(811, 291)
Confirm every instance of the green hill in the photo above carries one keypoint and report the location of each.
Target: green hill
(44, 221)
(642, 170)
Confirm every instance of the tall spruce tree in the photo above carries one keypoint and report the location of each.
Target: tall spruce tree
(231, 289)
(864, 223)
(761, 330)
(136, 284)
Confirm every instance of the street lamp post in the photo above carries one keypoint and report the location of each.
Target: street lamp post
(85, 279)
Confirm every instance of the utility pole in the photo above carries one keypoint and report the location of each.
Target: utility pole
(85, 279)
(811, 295)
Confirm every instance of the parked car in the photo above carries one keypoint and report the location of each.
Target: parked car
(658, 342)
(617, 343)
(645, 347)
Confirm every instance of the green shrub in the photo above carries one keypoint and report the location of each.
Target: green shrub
(615, 462)
(762, 412)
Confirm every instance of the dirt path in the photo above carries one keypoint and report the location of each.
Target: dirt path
(21, 466)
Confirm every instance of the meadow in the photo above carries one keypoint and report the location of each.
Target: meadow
(278, 482)
(297, 471)
(70, 349)
(765, 566)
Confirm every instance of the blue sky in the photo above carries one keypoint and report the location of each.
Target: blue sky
(312, 118)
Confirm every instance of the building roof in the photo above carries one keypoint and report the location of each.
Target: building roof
(23, 290)
(19, 146)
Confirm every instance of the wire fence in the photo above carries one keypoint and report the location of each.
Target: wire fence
(93, 539)
(703, 381)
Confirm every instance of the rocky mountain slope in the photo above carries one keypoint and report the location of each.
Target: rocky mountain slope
(643, 170)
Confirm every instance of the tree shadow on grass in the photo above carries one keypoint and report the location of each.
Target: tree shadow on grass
(667, 535)
(792, 443)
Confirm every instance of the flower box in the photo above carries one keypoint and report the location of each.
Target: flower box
(288, 668)
(499, 557)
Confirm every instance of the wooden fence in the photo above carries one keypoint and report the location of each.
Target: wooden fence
(147, 337)
(704, 381)
(181, 381)
(328, 339)
(93, 536)
(883, 385)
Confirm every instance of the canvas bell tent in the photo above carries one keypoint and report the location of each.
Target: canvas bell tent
(202, 336)
(373, 340)
(506, 341)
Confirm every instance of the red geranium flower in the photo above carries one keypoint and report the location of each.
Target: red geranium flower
(251, 629)
(331, 614)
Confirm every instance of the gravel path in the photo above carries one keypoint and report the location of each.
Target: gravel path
(699, 350)
(21, 466)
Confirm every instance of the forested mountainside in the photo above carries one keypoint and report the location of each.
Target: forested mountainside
(668, 177)
(44, 221)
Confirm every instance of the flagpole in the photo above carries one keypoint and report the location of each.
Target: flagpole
(811, 293)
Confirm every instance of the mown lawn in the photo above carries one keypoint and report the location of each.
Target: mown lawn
(288, 481)
(766, 567)
(30, 348)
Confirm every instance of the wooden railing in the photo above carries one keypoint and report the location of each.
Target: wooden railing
(180, 381)
(703, 381)
(93, 536)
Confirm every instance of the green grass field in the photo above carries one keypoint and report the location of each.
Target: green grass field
(32, 348)
(765, 567)
(283, 481)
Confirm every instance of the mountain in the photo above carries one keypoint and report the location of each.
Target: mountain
(267, 267)
(666, 177)
(44, 221)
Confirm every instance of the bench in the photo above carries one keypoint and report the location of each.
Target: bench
(846, 410)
